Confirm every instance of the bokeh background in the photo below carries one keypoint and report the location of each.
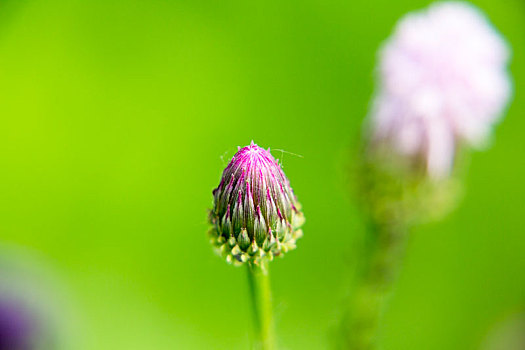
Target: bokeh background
(117, 118)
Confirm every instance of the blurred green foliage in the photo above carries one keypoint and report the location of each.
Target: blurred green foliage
(117, 118)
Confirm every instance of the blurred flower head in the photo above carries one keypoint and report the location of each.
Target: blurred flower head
(34, 308)
(18, 328)
(442, 83)
(255, 213)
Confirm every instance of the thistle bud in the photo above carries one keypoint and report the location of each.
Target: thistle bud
(255, 213)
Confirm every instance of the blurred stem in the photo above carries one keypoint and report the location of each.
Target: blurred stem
(259, 280)
(380, 264)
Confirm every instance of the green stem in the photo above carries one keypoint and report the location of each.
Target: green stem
(258, 277)
(382, 260)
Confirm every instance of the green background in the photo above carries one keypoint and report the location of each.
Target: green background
(117, 118)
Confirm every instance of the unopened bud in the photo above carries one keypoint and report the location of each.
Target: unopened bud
(255, 213)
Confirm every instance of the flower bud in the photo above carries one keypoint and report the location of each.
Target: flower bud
(255, 213)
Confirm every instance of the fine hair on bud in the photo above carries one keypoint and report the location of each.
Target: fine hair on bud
(255, 212)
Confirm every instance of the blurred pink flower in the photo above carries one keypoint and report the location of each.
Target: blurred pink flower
(442, 82)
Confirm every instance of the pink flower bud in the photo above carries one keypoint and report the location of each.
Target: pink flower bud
(255, 212)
